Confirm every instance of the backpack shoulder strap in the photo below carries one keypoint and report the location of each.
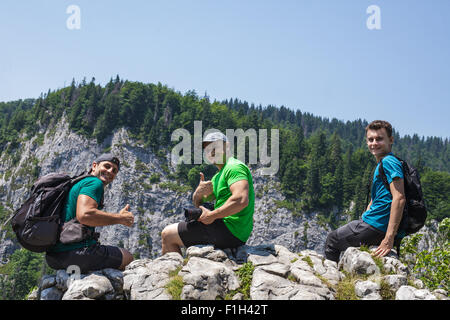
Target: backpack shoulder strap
(82, 176)
(78, 178)
(383, 176)
(399, 159)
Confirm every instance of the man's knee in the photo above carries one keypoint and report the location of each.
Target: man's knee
(170, 234)
(171, 241)
(332, 251)
(127, 258)
(165, 234)
(331, 238)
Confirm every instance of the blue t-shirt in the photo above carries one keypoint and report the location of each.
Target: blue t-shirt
(379, 212)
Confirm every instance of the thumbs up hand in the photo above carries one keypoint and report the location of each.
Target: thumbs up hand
(205, 188)
(126, 217)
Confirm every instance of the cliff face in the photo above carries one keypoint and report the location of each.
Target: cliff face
(267, 265)
(264, 272)
(154, 204)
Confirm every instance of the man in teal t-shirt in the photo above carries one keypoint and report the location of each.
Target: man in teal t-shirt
(230, 223)
(91, 187)
(379, 224)
(84, 203)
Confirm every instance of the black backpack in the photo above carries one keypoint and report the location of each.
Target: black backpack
(414, 212)
(37, 223)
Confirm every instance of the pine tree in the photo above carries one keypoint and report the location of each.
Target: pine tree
(23, 273)
(316, 165)
(347, 175)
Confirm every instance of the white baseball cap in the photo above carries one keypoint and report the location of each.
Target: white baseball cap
(215, 136)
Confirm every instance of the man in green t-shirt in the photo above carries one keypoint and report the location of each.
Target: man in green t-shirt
(84, 202)
(230, 224)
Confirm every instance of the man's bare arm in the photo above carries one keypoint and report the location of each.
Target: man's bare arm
(398, 202)
(89, 214)
(235, 203)
(203, 191)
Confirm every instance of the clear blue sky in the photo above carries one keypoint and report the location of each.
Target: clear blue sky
(314, 55)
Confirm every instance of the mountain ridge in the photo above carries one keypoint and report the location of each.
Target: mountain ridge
(291, 209)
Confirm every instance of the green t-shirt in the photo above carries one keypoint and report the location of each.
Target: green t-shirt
(240, 224)
(92, 187)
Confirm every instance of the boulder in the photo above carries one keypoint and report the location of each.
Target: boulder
(355, 261)
(411, 293)
(395, 281)
(367, 290)
(51, 293)
(146, 279)
(267, 286)
(206, 279)
(94, 286)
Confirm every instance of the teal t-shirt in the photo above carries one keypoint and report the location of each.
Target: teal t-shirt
(240, 224)
(92, 187)
(379, 212)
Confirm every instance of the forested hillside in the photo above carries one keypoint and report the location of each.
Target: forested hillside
(325, 167)
(324, 164)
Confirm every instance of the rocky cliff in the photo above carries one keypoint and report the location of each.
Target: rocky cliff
(264, 272)
(145, 183)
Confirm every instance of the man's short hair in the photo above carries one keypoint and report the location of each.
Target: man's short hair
(380, 124)
(108, 157)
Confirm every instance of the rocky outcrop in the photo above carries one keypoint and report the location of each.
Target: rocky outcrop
(263, 272)
(106, 284)
(145, 182)
(146, 279)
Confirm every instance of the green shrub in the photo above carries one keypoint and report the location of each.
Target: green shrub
(155, 178)
(345, 289)
(22, 273)
(175, 284)
(432, 267)
(245, 274)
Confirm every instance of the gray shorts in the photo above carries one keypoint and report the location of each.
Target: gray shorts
(95, 257)
(353, 234)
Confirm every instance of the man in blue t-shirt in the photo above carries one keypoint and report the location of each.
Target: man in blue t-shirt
(380, 222)
(84, 202)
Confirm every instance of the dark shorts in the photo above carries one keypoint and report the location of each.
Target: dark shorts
(216, 233)
(95, 257)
